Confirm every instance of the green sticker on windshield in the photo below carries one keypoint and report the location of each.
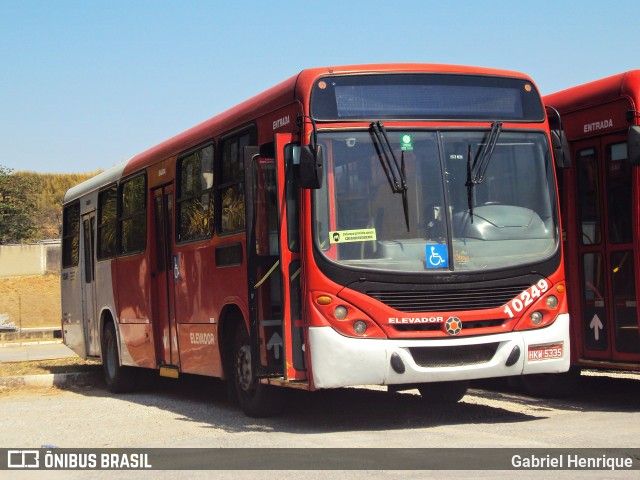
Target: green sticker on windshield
(346, 236)
(406, 142)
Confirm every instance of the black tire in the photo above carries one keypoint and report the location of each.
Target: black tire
(443, 392)
(552, 385)
(256, 400)
(119, 379)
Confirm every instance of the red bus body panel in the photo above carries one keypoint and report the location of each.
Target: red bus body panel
(596, 115)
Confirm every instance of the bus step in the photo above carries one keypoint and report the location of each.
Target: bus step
(169, 371)
(281, 382)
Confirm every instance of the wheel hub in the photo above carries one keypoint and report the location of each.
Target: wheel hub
(243, 368)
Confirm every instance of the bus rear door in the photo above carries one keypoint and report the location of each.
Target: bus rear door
(89, 318)
(162, 280)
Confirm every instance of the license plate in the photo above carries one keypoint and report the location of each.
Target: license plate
(545, 352)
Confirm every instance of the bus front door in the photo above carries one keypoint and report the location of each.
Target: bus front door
(607, 250)
(162, 282)
(273, 263)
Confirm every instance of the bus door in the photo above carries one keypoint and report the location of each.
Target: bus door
(273, 263)
(89, 327)
(607, 249)
(162, 279)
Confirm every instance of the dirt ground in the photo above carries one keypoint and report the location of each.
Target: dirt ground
(43, 367)
(32, 301)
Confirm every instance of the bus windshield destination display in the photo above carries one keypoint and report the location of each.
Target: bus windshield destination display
(425, 97)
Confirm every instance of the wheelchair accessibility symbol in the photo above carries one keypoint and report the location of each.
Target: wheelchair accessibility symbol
(437, 256)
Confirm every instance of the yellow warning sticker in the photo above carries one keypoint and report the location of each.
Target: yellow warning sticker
(346, 236)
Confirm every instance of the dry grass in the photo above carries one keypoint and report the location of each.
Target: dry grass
(31, 301)
(34, 301)
(43, 367)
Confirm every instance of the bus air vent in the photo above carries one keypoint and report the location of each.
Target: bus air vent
(454, 356)
(448, 300)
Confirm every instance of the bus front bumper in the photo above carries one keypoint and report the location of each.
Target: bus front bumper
(339, 361)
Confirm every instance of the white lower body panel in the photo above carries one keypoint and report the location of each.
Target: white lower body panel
(339, 361)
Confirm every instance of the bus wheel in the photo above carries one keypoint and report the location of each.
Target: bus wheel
(119, 379)
(255, 399)
(551, 385)
(443, 392)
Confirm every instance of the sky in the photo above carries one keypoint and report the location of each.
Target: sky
(87, 84)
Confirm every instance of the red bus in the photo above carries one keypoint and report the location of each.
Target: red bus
(381, 224)
(601, 217)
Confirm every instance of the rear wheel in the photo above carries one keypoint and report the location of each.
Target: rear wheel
(255, 399)
(443, 392)
(118, 378)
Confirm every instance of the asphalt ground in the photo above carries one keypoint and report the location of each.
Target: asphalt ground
(30, 351)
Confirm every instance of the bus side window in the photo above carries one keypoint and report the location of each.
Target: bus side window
(71, 236)
(132, 217)
(230, 188)
(195, 217)
(107, 206)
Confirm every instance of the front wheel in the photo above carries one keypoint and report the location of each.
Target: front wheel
(443, 392)
(255, 399)
(118, 378)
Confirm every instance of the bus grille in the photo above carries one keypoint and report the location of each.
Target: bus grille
(448, 300)
(434, 327)
(454, 356)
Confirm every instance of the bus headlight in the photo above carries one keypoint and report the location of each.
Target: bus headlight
(536, 318)
(340, 312)
(552, 302)
(344, 317)
(359, 327)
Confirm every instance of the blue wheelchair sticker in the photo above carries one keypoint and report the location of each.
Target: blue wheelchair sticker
(437, 256)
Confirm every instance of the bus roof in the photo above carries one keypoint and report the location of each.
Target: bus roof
(295, 88)
(110, 175)
(607, 89)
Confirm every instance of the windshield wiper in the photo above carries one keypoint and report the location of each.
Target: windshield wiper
(481, 163)
(395, 173)
(476, 172)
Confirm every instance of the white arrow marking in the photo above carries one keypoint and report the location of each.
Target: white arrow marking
(276, 344)
(597, 325)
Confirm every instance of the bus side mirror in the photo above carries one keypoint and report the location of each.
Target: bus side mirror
(561, 150)
(633, 145)
(311, 166)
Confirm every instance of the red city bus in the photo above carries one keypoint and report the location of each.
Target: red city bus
(381, 224)
(601, 212)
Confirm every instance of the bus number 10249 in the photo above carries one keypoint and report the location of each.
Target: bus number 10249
(526, 298)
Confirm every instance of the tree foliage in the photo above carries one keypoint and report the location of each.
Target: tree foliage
(17, 207)
(51, 188)
(37, 203)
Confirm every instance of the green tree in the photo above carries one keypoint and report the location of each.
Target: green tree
(48, 197)
(17, 207)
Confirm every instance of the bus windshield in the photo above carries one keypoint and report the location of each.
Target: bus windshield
(441, 218)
